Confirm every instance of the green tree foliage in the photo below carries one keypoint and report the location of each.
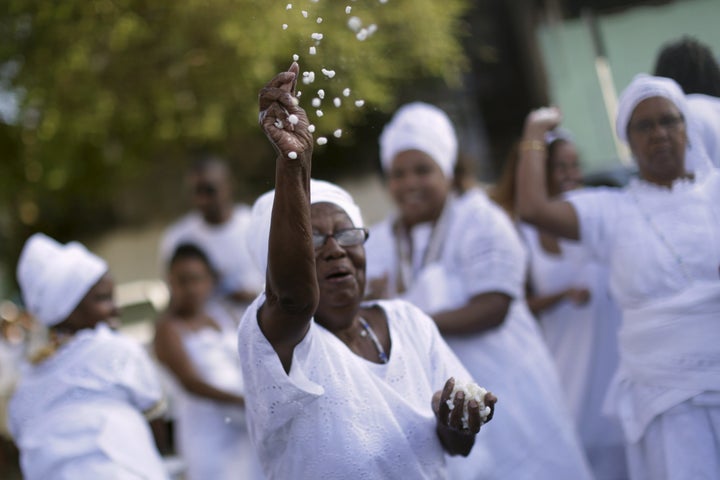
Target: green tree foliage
(109, 87)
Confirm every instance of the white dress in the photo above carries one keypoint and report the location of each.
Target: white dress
(212, 436)
(704, 122)
(79, 414)
(663, 250)
(480, 251)
(337, 415)
(583, 342)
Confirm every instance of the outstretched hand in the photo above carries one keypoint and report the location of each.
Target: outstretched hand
(284, 122)
(540, 121)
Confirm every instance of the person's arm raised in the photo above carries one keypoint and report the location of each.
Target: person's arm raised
(533, 202)
(292, 291)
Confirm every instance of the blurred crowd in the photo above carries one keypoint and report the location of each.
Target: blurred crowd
(588, 313)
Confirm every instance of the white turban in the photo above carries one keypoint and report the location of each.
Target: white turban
(54, 277)
(424, 127)
(642, 87)
(320, 192)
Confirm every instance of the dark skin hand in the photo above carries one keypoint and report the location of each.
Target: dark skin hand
(455, 439)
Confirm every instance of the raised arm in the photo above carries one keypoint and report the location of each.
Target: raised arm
(291, 284)
(533, 202)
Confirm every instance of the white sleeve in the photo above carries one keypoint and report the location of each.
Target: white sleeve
(596, 209)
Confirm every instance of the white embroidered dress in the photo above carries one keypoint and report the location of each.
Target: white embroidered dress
(481, 252)
(663, 249)
(337, 415)
(79, 413)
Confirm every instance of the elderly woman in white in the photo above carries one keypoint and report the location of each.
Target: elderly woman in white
(461, 261)
(78, 410)
(336, 387)
(660, 237)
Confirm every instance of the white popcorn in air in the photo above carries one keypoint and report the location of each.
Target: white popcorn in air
(472, 391)
(359, 103)
(319, 113)
(348, 9)
(296, 57)
(372, 28)
(383, 1)
(311, 128)
(337, 102)
(308, 77)
(288, 6)
(304, 13)
(316, 36)
(328, 73)
(293, 119)
(315, 102)
(284, 26)
(346, 92)
(338, 133)
(292, 155)
(321, 93)
(321, 140)
(354, 23)
(312, 51)
(295, 100)
(319, 20)
(362, 34)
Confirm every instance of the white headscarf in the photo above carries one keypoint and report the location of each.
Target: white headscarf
(642, 87)
(320, 192)
(54, 277)
(424, 127)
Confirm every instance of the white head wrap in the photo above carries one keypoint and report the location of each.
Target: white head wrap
(54, 277)
(424, 127)
(320, 192)
(642, 87)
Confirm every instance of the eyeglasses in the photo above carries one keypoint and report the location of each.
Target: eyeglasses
(669, 123)
(348, 237)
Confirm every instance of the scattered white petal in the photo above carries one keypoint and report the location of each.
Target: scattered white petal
(337, 102)
(293, 119)
(321, 93)
(288, 6)
(319, 20)
(311, 128)
(321, 140)
(312, 51)
(348, 9)
(315, 102)
(359, 103)
(337, 133)
(316, 36)
(354, 23)
(304, 13)
(319, 113)
(284, 26)
(292, 155)
(346, 92)
(328, 73)
(296, 57)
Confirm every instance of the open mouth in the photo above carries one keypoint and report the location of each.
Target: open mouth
(338, 275)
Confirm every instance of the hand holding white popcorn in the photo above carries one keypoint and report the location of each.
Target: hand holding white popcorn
(464, 406)
(284, 122)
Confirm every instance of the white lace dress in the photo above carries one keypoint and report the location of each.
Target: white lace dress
(337, 415)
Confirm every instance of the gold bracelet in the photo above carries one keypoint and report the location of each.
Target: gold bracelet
(537, 145)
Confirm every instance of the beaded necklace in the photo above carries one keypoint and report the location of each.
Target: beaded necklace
(368, 331)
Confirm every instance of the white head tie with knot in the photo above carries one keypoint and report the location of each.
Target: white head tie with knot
(54, 278)
(424, 127)
(642, 87)
(320, 192)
